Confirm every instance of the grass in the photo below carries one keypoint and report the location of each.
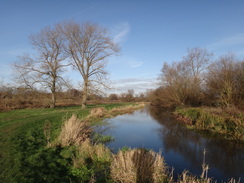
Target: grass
(54, 145)
(138, 165)
(74, 131)
(25, 135)
(222, 123)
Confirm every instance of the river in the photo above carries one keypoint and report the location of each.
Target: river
(181, 148)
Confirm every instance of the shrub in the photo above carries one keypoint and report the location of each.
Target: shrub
(97, 112)
(74, 131)
(138, 165)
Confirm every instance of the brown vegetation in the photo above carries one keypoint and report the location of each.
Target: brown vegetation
(18, 98)
(74, 131)
(196, 81)
(138, 165)
(97, 112)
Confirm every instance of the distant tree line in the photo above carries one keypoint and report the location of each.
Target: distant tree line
(198, 79)
(12, 97)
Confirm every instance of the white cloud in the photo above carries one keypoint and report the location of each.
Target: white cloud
(231, 41)
(133, 63)
(137, 84)
(120, 32)
(128, 62)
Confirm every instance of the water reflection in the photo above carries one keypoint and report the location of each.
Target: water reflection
(182, 149)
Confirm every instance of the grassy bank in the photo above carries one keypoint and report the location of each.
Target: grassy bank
(24, 137)
(57, 145)
(222, 123)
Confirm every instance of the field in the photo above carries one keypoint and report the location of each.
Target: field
(24, 136)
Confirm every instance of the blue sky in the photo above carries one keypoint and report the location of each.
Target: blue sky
(149, 32)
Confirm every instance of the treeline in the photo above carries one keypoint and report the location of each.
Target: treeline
(198, 80)
(12, 97)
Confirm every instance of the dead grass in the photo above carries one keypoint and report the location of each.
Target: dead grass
(126, 109)
(97, 112)
(101, 112)
(138, 165)
(74, 131)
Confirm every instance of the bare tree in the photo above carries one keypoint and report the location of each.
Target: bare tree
(89, 46)
(181, 82)
(225, 80)
(45, 68)
(197, 61)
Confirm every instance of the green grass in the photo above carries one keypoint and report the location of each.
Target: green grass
(23, 153)
(217, 123)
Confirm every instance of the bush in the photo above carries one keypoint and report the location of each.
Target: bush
(74, 131)
(138, 165)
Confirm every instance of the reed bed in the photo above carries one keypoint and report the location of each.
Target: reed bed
(74, 131)
(138, 165)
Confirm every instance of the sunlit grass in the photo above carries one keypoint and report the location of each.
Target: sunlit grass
(22, 138)
(224, 123)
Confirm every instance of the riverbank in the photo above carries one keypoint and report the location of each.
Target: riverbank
(219, 123)
(58, 145)
(27, 139)
(94, 162)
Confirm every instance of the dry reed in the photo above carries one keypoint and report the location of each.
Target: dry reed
(126, 109)
(138, 165)
(97, 112)
(74, 131)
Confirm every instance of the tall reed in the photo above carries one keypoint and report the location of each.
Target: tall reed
(74, 131)
(138, 165)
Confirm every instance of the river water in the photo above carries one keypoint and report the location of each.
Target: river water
(181, 148)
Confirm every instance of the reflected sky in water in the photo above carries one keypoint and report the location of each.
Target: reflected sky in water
(181, 148)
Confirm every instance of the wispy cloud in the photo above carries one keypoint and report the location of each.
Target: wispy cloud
(120, 32)
(134, 64)
(137, 84)
(235, 40)
(127, 62)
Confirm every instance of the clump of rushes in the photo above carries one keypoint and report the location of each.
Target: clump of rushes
(74, 131)
(138, 165)
(97, 112)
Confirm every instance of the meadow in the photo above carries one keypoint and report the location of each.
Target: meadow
(60, 145)
(24, 136)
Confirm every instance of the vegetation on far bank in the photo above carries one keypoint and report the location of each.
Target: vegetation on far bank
(225, 123)
(198, 80)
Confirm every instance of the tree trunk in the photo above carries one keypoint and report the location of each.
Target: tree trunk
(53, 90)
(53, 104)
(84, 97)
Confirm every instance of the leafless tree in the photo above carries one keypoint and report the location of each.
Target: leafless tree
(113, 97)
(44, 69)
(225, 81)
(89, 47)
(181, 81)
(196, 61)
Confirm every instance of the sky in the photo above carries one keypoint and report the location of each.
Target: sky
(149, 32)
